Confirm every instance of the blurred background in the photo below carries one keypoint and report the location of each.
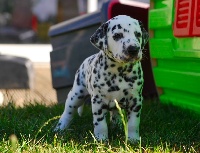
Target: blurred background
(24, 26)
(28, 21)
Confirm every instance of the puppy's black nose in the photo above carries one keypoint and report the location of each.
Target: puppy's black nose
(133, 50)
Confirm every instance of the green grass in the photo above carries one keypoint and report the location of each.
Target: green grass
(163, 128)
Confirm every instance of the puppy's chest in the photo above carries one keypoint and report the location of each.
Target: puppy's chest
(114, 79)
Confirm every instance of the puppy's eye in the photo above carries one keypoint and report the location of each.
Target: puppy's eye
(117, 36)
(138, 34)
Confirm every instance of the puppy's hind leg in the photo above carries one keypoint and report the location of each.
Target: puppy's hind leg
(74, 100)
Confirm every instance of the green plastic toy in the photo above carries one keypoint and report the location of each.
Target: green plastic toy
(175, 51)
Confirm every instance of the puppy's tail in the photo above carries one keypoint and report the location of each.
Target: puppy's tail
(80, 110)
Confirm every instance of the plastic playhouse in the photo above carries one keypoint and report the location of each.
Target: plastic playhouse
(175, 51)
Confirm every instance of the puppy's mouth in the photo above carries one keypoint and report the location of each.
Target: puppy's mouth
(127, 59)
(131, 59)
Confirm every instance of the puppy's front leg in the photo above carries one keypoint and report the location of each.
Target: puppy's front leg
(99, 120)
(133, 123)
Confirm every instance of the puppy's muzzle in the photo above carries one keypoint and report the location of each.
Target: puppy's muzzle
(133, 51)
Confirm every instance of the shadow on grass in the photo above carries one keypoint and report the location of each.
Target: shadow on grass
(161, 124)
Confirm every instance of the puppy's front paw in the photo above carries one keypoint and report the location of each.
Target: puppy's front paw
(134, 140)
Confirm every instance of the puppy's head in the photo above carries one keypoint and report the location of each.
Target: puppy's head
(122, 38)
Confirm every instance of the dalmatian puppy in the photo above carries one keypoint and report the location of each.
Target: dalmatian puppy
(113, 74)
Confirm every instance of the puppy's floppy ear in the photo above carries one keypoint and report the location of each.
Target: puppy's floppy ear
(145, 35)
(99, 38)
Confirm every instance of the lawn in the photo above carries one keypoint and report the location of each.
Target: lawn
(163, 128)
